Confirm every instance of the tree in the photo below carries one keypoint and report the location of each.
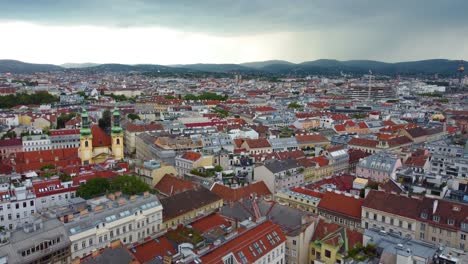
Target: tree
(169, 97)
(12, 100)
(92, 188)
(133, 116)
(294, 105)
(64, 118)
(218, 168)
(106, 120)
(129, 185)
(9, 134)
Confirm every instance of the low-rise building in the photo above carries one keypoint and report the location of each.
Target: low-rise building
(341, 208)
(331, 243)
(36, 142)
(378, 167)
(40, 241)
(128, 219)
(262, 243)
(65, 138)
(279, 174)
(184, 207)
(192, 160)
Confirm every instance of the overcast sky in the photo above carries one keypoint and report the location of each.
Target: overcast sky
(231, 31)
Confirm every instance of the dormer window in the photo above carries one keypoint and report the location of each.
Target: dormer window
(436, 218)
(424, 215)
(451, 222)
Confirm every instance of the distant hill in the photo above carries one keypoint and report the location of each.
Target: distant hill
(218, 67)
(261, 64)
(273, 67)
(15, 66)
(78, 65)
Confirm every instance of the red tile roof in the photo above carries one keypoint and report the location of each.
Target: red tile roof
(60, 132)
(308, 192)
(154, 248)
(363, 142)
(170, 184)
(209, 222)
(228, 194)
(324, 229)
(190, 155)
(245, 241)
(11, 142)
(100, 138)
(341, 204)
(310, 139)
(257, 143)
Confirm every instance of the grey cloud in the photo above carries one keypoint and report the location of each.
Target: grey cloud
(241, 16)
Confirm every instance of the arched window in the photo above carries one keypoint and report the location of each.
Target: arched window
(118, 141)
(86, 144)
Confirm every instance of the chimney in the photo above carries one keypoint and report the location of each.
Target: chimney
(115, 244)
(121, 201)
(118, 194)
(84, 213)
(146, 194)
(434, 206)
(94, 253)
(98, 208)
(111, 196)
(133, 198)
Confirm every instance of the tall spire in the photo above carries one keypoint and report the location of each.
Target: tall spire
(116, 124)
(85, 130)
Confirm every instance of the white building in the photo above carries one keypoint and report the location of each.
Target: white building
(113, 217)
(36, 142)
(17, 205)
(243, 133)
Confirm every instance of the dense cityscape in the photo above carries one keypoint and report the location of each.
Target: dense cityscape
(233, 132)
(101, 167)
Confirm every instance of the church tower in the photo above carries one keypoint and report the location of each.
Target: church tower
(86, 140)
(117, 137)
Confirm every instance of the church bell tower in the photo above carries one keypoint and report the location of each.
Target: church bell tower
(117, 137)
(85, 151)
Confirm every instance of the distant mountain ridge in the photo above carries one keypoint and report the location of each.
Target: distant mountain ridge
(275, 67)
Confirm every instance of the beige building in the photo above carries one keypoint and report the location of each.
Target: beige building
(440, 222)
(192, 160)
(152, 171)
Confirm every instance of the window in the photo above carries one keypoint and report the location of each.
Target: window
(327, 253)
(75, 247)
(436, 218)
(463, 236)
(294, 242)
(409, 226)
(83, 244)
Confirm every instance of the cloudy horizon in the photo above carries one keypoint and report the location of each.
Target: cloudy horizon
(221, 31)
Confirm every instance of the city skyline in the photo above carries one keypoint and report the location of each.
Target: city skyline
(231, 32)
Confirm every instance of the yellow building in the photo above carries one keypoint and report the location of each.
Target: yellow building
(330, 243)
(316, 168)
(184, 207)
(152, 171)
(96, 145)
(25, 120)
